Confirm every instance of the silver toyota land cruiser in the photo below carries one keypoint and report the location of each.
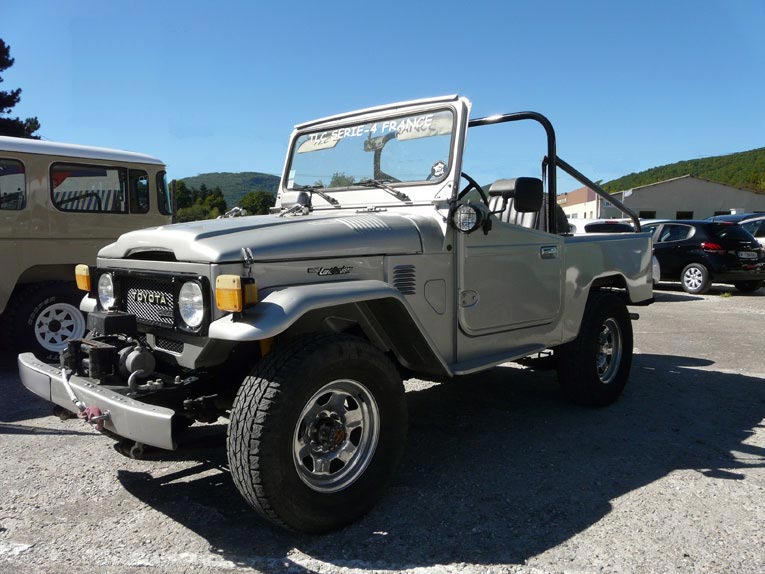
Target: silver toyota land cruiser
(382, 260)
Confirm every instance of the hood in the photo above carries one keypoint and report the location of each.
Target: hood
(270, 237)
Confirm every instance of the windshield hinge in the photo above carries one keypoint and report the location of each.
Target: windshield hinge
(371, 209)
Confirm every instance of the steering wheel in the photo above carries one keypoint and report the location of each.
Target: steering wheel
(472, 184)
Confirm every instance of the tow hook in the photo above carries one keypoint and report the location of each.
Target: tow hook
(92, 415)
(95, 417)
(634, 316)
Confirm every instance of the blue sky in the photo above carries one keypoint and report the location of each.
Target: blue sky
(218, 86)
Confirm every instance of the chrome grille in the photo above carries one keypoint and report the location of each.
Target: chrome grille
(168, 345)
(149, 300)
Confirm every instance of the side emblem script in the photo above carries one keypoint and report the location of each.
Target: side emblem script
(323, 271)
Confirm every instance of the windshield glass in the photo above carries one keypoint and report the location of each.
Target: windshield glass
(410, 148)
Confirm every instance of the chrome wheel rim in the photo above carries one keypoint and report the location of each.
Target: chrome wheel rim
(609, 353)
(58, 323)
(336, 436)
(693, 278)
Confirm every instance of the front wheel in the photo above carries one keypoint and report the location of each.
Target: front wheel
(43, 317)
(593, 368)
(316, 432)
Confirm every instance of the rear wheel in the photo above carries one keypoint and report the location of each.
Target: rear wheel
(43, 317)
(593, 368)
(316, 432)
(695, 279)
(748, 286)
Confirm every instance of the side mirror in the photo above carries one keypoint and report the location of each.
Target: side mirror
(527, 193)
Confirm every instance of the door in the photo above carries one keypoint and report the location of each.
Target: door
(671, 249)
(508, 279)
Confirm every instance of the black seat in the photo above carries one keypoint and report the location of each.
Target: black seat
(510, 215)
(530, 220)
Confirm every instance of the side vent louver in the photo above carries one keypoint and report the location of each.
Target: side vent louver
(404, 279)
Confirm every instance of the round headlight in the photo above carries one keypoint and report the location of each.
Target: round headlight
(467, 218)
(106, 291)
(191, 304)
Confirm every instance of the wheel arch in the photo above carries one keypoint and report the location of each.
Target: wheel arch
(371, 309)
(46, 273)
(60, 272)
(614, 283)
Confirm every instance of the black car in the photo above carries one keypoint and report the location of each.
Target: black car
(734, 217)
(698, 253)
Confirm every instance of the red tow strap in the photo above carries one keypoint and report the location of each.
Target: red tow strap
(89, 413)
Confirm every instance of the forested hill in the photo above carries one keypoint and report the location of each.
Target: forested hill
(744, 169)
(234, 185)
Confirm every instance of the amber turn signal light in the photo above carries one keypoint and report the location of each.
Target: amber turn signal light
(233, 294)
(82, 275)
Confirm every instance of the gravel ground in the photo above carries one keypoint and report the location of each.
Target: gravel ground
(499, 475)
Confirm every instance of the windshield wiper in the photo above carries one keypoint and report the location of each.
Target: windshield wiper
(382, 184)
(315, 189)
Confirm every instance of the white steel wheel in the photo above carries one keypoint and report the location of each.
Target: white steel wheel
(336, 436)
(56, 324)
(43, 317)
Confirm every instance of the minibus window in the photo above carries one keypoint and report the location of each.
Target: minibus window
(13, 185)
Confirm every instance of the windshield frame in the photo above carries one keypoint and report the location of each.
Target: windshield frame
(362, 119)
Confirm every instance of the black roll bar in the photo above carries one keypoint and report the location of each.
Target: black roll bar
(598, 190)
(552, 161)
(547, 125)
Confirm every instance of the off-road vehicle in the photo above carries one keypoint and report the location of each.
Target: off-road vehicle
(60, 204)
(298, 326)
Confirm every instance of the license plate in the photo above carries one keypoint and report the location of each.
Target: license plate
(747, 254)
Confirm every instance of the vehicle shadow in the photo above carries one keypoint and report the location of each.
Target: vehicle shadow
(497, 469)
(714, 289)
(25, 405)
(672, 296)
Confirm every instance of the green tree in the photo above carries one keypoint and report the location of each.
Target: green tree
(213, 199)
(257, 202)
(9, 126)
(183, 196)
(193, 213)
(339, 179)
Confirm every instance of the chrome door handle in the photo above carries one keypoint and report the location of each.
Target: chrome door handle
(548, 251)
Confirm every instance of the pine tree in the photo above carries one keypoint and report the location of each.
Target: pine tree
(13, 126)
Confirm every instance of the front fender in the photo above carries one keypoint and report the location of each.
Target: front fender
(282, 307)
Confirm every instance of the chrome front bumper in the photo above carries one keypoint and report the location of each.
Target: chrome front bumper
(128, 418)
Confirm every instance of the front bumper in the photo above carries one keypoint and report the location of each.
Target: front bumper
(128, 418)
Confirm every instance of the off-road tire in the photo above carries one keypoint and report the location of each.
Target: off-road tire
(695, 279)
(748, 286)
(578, 361)
(266, 415)
(29, 304)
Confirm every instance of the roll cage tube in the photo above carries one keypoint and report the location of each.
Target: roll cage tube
(552, 225)
(597, 189)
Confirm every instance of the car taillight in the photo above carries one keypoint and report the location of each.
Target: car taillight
(711, 247)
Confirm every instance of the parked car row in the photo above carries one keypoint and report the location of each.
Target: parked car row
(756, 226)
(702, 252)
(725, 249)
